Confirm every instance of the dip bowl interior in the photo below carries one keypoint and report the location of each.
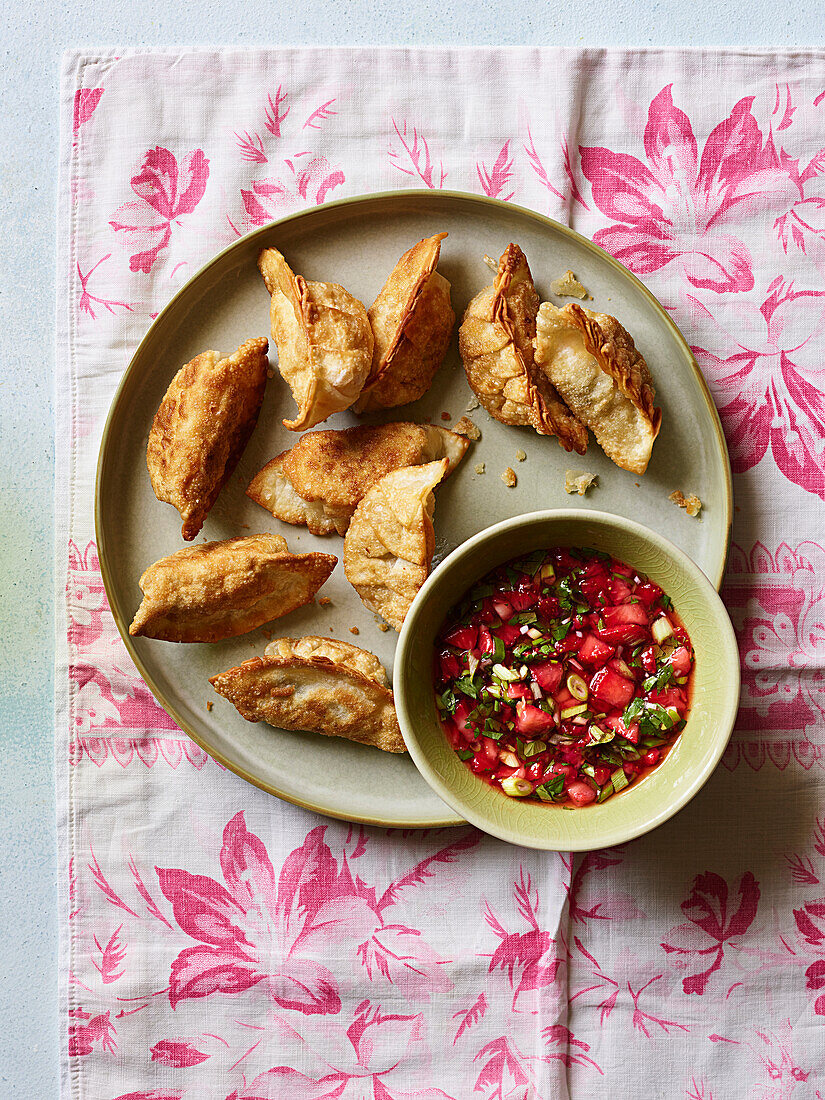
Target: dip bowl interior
(655, 797)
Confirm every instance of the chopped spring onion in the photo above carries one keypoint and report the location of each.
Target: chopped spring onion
(618, 779)
(508, 674)
(515, 787)
(571, 712)
(661, 629)
(599, 736)
(577, 687)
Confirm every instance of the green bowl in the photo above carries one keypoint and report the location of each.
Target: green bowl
(663, 791)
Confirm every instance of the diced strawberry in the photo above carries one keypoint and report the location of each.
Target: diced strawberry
(670, 697)
(680, 661)
(564, 698)
(580, 794)
(594, 584)
(611, 688)
(619, 590)
(449, 666)
(571, 643)
(485, 641)
(648, 593)
(601, 773)
(628, 634)
(502, 608)
(648, 659)
(625, 614)
(487, 613)
(548, 607)
(530, 721)
(519, 691)
(463, 637)
(524, 598)
(462, 720)
(593, 651)
(630, 731)
(547, 675)
(508, 632)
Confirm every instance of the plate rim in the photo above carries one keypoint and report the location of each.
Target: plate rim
(380, 197)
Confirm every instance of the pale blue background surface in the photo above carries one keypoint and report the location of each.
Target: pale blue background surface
(31, 50)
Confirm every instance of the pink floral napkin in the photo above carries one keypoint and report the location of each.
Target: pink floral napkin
(220, 945)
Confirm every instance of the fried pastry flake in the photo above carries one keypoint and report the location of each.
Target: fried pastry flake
(323, 337)
(317, 684)
(319, 481)
(412, 321)
(595, 365)
(202, 427)
(496, 345)
(388, 549)
(221, 589)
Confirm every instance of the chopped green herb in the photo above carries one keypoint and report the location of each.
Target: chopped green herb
(552, 790)
(466, 686)
(465, 754)
(659, 679)
(534, 748)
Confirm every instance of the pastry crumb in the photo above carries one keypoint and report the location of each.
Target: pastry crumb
(471, 405)
(383, 627)
(446, 416)
(520, 455)
(691, 504)
(579, 481)
(354, 630)
(324, 601)
(509, 478)
(568, 286)
(491, 263)
(466, 427)
(480, 467)
(209, 705)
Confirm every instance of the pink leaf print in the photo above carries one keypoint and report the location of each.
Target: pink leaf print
(178, 1053)
(675, 208)
(271, 197)
(494, 180)
(274, 116)
(85, 102)
(815, 975)
(558, 1034)
(538, 167)
(713, 924)
(113, 955)
(415, 153)
(166, 192)
(106, 889)
(802, 870)
(144, 893)
(85, 1030)
(319, 115)
(426, 868)
(251, 147)
(473, 1014)
(89, 300)
(152, 1094)
(641, 1019)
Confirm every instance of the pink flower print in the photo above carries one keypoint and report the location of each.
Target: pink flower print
(713, 924)
(677, 206)
(259, 928)
(776, 1057)
(765, 365)
(92, 709)
(166, 191)
(802, 226)
(528, 958)
(373, 1063)
(86, 1030)
(178, 1053)
(85, 102)
(305, 181)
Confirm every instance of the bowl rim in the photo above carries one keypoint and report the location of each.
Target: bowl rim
(402, 691)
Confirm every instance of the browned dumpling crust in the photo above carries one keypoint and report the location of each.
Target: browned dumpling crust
(202, 427)
(323, 337)
(388, 549)
(412, 322)
(319, 481)
(496, 345)
(302, 684)
(594, 363)
(221, 589)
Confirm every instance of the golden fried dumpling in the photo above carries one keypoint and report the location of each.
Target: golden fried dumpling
(323, 337)
(201, 428)
(319, 481)
(595, 365)
(388, 549)
(496, 345)
(220, 589)
(316, 684)
(412, 321)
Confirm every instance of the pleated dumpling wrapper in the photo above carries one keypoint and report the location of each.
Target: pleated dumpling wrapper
(496, 345)
(202, 427)
(323, 337)
(388, 548)
(319, 481)
(412, 321)
(595, 365)
(316, 684)
(218, 590)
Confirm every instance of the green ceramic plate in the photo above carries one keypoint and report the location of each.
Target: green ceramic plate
(356, 242)
(658, 795)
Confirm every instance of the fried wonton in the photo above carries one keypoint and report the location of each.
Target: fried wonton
(412, 321)
(323, 337)
(201, 428)
(388, 549)
(319, 481)
(496, 345)
(595, 365)
(221, 589)
(316, 684)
